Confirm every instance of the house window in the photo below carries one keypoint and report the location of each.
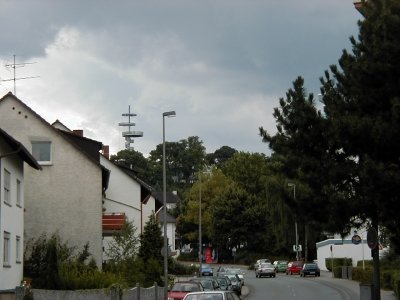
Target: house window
(7, 187)
(18, 249)
(41, 151)
(19, 193)
(6, 249)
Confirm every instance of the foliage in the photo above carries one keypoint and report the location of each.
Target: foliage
(182, 159)
(124, 245)
(177, 268)
(52, 264)
(362, 275)
(73, 276)
(151, 243)
(220, 156)
(42, 258)
(362, 106)
(337, 262)
(136, 161)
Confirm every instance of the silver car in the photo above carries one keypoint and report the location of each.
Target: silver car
(266, 269)
(212, 295)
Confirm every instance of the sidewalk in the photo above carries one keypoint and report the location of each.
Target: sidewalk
(354, 285)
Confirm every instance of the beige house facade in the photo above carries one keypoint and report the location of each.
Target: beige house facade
(66, 198)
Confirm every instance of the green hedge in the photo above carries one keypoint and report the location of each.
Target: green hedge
(338, 262)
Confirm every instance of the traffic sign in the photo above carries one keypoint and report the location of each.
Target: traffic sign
(356, 239)
(297, 249)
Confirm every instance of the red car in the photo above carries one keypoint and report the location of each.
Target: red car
(294, 267)
(181, 288)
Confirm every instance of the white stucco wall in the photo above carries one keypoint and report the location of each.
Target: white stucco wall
(339, 250)
(11, 220)
(122, 195)
(66, 197)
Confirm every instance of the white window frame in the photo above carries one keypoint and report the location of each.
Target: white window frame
(19, 193)
(6, 249)
(18, 249)
(7, 187)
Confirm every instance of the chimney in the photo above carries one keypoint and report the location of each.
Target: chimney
(78, 132)
(106, 151)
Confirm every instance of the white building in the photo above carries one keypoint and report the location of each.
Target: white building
(345, 248)
(67, 197)
(126, 198)
(12, 157)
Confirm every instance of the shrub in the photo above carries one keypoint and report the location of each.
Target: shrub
(338, 262)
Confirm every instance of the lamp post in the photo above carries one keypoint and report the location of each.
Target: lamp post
(165, 114)
(200, 241)
(295, 221)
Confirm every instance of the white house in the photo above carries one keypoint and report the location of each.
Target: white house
(67, 196)
(126, 197)
(345, 248)
(171, 201)
(12, 157)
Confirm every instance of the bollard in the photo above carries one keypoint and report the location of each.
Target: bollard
(366, 290)
(138, 291)
(114, 293)
(19, 292)
(155, 291)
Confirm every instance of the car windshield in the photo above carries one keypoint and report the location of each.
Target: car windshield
(232, 278)
(207, 284)
(207, 296)
(310, 265)
(266, 265)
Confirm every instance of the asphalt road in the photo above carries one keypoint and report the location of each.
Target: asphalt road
(286, 287)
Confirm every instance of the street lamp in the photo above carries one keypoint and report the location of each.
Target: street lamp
(165, 114)
(200, 241)
(295, 220)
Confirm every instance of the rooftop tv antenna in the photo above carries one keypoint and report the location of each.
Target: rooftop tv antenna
(14, 65)
(129, 135)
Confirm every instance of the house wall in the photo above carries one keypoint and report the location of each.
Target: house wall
(122, 194)
(11, 220)
(66, 197)
(342, 249)
(148, 209)
(171, 227)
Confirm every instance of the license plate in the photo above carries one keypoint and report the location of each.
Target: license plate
(312, 272)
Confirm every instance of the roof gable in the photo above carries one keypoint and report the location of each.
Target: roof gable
(93, 158)
(19, 150)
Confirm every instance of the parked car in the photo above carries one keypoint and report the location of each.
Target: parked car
(294, 267)
(237, 271)
(224, 283)
(260, 261)
(236, 283)
(311, 269)
(218, 295)
(206, 270)
(208, 283)
(266, 269)
(181, 288)
(280, 266)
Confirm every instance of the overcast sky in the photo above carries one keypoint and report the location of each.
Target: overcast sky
(222, 65)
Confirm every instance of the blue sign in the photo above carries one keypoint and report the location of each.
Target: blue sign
(356, 239)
